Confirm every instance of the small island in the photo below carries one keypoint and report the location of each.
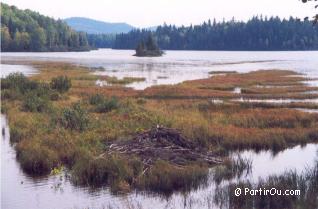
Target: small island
(148, 49)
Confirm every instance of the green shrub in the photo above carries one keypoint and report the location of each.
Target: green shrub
(13, 80)
(10, 94)
(18, 82)
(43, 90)
(103, 104)
(75, 118)
(34, 103)
(107, 105)
(61, 84)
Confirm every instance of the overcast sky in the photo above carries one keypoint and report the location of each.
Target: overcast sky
(144, 13)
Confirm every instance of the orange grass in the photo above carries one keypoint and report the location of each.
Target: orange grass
(42, 139)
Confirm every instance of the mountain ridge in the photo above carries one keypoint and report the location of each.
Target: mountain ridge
(93, 26)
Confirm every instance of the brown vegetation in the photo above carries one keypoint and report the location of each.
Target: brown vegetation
(76, 126)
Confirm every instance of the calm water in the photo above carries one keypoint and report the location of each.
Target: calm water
(7, 69)
(178, 66)
(19, 190)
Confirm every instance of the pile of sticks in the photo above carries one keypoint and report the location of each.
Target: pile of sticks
(164, 144)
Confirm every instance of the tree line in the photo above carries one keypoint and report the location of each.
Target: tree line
(25, 30)
(101, 40)
(258, 33)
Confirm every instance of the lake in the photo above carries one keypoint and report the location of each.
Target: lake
(177, 66)
(18, 190)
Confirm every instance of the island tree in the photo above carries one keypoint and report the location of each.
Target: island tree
(150, 49)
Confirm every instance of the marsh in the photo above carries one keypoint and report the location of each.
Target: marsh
(271, 132)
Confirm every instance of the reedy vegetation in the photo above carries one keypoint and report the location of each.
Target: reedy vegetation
(306, 183)
(71, 125)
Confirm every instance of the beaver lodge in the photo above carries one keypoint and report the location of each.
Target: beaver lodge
(166, 144)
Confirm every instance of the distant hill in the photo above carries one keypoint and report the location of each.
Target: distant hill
(97, 27)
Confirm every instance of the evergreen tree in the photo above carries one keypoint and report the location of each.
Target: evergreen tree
(259, 33)
(151, 48)
(25, 30)
(151, 43)
(140, 50)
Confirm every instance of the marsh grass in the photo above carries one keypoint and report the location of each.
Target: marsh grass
(165, 178)
(37, 159)
(222, 86)
(109, 170)
(122, 174)
(123, 81)
(73, 128)
(233, 168)
(306, 182)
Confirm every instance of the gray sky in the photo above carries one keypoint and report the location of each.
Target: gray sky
(144, 13)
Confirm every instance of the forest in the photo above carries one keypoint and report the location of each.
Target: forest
(259, 33)
(25, 30)
(101, 40)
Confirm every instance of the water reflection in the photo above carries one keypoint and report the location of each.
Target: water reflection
(21, 191)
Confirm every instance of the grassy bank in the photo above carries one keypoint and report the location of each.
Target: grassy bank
(59, 117)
